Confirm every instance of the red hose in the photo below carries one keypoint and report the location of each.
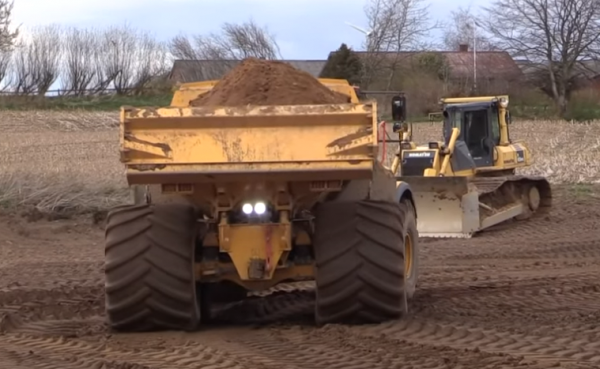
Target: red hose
(383, 134)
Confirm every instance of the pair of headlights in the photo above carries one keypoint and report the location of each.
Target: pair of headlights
(258, 208)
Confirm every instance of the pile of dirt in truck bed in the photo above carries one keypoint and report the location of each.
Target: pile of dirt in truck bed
(268, 82)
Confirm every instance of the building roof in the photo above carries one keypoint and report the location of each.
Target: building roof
(203, 70)
(495, 64)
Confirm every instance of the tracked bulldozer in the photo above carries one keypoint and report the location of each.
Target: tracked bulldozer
(468, 182)
(241, 198)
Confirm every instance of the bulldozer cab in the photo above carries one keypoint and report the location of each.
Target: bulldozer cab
(479, 127)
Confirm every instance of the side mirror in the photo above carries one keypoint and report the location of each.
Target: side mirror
(507, 117)
(399, 108)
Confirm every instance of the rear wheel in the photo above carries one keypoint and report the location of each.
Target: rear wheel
(150, 283)
(359, 252)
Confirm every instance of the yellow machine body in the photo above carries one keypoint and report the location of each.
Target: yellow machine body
(291, 157)
(468, 183)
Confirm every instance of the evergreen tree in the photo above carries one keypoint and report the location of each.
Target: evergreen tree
(343, 63)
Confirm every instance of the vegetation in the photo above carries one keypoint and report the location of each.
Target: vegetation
(91, 103)
(344, 63)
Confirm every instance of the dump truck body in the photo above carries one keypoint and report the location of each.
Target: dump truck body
(223, 158)
(253, 196)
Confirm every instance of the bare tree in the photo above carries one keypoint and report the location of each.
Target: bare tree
(80, 57)
(554, 34)
(5, 69)
(462, 28)
(8, 36)
(234, 42)
(150, 61)
(37, 60)
(46, 53)
(23, 79)
(397, 26)
(131, 58)
(119, 59)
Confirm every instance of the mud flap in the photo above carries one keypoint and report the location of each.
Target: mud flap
(446, 206)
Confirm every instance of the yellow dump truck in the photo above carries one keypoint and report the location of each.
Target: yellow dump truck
(235, 199)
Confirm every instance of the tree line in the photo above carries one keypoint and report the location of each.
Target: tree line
(121, 58)
(553, 38)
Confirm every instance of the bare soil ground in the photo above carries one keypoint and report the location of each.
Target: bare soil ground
(523, 295)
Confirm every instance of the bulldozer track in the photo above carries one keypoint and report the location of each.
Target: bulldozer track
(523, 295)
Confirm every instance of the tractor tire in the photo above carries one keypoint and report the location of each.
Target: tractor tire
(359, 256)
(411, 248)
(150, 283)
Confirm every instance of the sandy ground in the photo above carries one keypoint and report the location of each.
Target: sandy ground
(522, 295)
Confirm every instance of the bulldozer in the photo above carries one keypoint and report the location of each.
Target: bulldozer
(468, 182)
(228, 200)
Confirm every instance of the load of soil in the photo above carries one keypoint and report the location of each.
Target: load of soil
(268, 82)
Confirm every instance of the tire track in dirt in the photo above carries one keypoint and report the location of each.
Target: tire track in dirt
(19, 307)
(564, 348)
(59, 353)
(584, 248)
(489, 277)
(341, 347)
(493, 270)
(535, 295)
(51, 275)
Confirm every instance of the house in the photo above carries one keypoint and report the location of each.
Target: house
(494, 68)
(205, 70)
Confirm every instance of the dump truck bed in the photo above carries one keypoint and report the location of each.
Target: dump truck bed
(292, 142)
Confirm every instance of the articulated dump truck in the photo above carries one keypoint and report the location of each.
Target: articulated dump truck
(235, 199)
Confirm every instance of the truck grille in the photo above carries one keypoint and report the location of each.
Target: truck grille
(414, 163)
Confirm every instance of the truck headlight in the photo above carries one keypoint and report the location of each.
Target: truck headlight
(260, 208)
(247, 209)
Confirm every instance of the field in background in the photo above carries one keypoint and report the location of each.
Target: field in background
(60, 161)
(582, 107)
(109, 102)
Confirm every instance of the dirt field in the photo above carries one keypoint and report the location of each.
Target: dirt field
(522, 295)
(513, 297)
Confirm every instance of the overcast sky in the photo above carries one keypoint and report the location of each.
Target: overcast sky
(305, 29)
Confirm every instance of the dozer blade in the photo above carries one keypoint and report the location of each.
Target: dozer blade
(458, 207)
(452, 207)
(444, 205)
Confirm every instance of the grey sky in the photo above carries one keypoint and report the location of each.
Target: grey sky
(305, 29)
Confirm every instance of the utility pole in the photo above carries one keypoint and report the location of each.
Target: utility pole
(474, 57)
(475, 25)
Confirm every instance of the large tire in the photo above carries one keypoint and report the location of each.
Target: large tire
(150, 283)
(359, 256)
(411, 248)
